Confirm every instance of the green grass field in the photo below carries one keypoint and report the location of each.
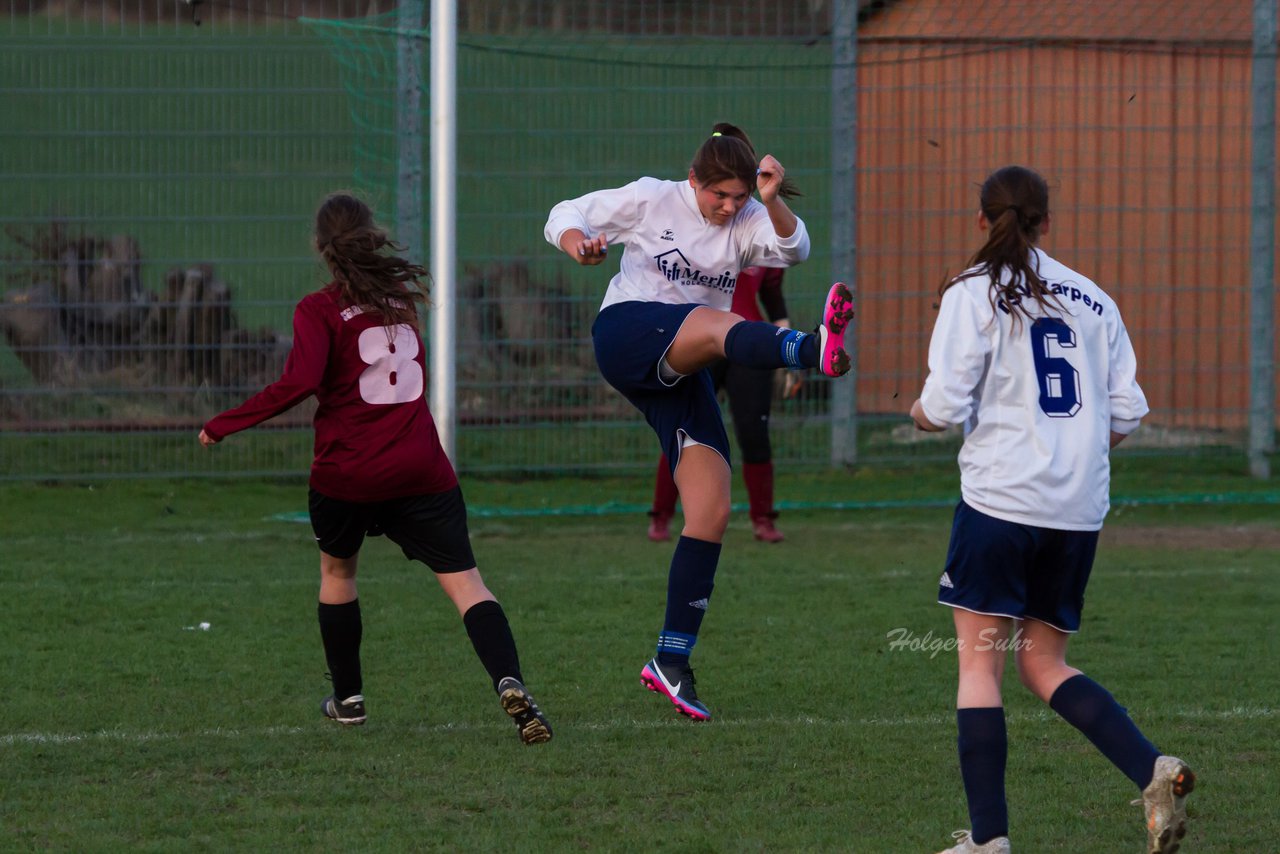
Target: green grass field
(126, 727)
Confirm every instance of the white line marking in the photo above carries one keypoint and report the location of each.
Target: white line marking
(947, 719)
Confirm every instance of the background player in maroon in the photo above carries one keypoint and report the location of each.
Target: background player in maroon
(379, 467)
(750, 393)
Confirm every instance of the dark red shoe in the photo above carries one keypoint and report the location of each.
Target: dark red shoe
(659, 528)
(765, 531)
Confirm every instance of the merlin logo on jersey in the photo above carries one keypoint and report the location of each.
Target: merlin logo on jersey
(676, 268)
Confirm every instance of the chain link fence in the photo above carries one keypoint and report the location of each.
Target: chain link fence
(162, 160)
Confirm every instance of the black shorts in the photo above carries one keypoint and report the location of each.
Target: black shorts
(429, 528)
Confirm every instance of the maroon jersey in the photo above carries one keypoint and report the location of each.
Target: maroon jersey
(757, 285)
(375, 437)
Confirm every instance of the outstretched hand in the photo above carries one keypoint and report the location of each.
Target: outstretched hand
(207, 440)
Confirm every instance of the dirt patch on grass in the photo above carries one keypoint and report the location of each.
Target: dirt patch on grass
(1215, 537)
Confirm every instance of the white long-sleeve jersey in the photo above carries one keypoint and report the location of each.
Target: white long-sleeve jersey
(671, 254)
(1038, 405)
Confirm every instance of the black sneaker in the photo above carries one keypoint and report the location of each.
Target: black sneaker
(675, 682)
(349, 712)
(518, 702)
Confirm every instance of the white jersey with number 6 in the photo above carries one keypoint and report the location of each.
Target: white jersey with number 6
(1038, 404)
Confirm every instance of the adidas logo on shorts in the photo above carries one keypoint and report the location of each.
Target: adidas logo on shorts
(700, 604)
(945, 581)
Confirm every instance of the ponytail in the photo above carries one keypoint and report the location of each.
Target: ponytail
(353, 247)
(1015, 203)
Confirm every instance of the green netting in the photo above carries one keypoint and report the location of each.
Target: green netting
(548, 114)
(540, 121)
(212, 145)
(159, 188)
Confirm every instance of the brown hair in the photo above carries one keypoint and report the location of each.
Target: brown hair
(352, 245)
(728, 154)
(1015, 202)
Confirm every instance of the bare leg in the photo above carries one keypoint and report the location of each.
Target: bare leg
(338, 579)
(702, 476)
(1041, 658)
(982, 646)
(465, 588)
(700, 340)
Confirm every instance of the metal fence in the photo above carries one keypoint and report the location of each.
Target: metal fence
(161, 175)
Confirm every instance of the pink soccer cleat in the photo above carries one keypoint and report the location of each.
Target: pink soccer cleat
(676, 684)
(837, 313)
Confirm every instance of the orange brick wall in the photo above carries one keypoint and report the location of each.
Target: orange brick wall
(1146, 150)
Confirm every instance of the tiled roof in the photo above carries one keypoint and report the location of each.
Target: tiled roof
(1141, 20)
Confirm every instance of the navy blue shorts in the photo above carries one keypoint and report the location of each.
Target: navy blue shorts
(429, 528)
(630, 339)
(1010, 570)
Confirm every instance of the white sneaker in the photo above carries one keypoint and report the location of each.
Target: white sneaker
(966, 845)
(1164, 801)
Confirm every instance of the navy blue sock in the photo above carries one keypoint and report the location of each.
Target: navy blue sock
(756, 344)
(984, 747)
(689, 585)
(1090, 708)
(341, 630)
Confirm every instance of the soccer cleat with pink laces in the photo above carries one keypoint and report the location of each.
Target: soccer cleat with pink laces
(837, 313)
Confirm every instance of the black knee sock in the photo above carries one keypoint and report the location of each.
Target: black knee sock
(341, 631)
(1090, 708)
(490, 634)
(984, 748)
(689, 585)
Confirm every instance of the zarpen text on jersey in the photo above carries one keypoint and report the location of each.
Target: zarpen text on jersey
(1064, 290)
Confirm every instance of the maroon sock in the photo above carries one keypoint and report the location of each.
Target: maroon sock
(664, 491)
(759, 480)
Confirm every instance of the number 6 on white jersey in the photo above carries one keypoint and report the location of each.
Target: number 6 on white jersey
(1059, 380)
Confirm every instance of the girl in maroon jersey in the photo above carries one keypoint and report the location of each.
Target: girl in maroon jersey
(379, 467)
